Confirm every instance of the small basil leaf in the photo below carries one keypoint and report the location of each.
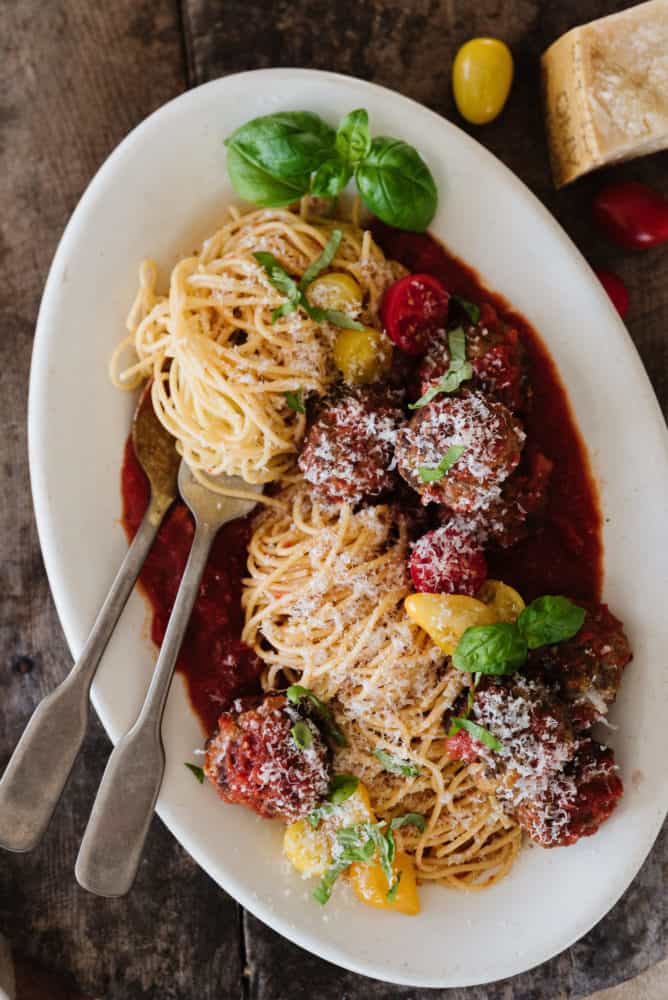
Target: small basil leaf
(392, 893)
(333, 316)
(459, 370)
(353, 141)
(397, 765)
(341, 787)
(470, 308)
(278, 276)
(409, 819)
(550, 619)
(302, 735)
(477, 732)
(253, 183)
(323, 260)
(295, 401)
(197, 771)
(396, 184)
(330, 179)
(491, 649)
(296, 692)
(386, 848)
(323, 891)
(432, 474)
(288, 144)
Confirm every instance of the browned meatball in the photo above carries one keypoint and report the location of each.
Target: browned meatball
(348, 453)
(255, 759)
(588, 668)
(496, 354)
(492, 439)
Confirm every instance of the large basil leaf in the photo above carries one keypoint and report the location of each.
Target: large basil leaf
(271, 159)
(396, 184)
(550, 619)
(491, 649)
(353, 142)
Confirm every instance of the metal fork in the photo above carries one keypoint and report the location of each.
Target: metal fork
(114, 838)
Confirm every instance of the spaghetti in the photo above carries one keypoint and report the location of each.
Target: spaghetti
(221, 365)
(324, 606)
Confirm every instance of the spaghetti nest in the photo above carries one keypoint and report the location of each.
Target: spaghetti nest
(324, 606)
(220, 367)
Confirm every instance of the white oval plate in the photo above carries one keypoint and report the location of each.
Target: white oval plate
(160, 193)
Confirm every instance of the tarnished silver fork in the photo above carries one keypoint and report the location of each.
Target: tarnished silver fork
(114, 838)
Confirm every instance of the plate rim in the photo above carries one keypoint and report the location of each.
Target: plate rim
(319, 945)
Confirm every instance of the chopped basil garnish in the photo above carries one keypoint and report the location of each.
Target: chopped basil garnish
(341, 787)
(476, 731)
(550, 619)
(276, 159)
(296, 293)
(432, 474)
(302, 735)
(392, 893)
(295, 401)
(470, 308)
(197, 771)
(296, 692)
(490, 649)
(362, 842)
(458, 371)
(397, 765)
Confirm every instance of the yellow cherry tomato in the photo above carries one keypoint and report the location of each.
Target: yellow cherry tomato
(504, 600)
(445, 617)
(309, 849)
(336, 290)
(370, 885)
(482, 75)
(362, 356)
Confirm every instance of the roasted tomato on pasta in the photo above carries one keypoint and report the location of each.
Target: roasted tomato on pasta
(401, 655)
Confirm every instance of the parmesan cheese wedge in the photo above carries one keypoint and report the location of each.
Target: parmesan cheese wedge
(605, 91)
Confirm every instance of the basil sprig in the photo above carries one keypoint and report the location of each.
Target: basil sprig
(296, 292)
(197, 771)
(341, 787)
(550, 619)
(502, 648)
(295, 693)
(432, 473)
(362, 842)
(476, 731)
(397, 765)
(276, 159)
(459, 370)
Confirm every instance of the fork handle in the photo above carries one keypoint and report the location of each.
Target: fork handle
(123, 809)
(38, 769)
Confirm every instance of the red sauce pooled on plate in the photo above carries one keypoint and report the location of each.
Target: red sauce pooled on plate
(565, 558)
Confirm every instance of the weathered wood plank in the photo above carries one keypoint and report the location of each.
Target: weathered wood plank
(75, 77)
(410, 47)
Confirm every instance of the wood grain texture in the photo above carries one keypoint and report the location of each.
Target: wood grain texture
(75, 77)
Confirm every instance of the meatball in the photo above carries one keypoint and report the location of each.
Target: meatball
(348, 453)
(588, 668)
(492, 439)
(577, 801)
(496, 354)
(255, 760)
(448, 560)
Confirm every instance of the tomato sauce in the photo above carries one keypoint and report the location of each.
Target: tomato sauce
(564, 558)
(216, 665)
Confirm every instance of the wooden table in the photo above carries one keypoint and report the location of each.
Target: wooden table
(75, 77)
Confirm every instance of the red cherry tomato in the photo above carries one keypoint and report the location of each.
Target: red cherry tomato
(632, 215)
(616, 289)
(412, 308)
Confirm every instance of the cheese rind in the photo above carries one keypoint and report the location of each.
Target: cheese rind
(605, 91)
